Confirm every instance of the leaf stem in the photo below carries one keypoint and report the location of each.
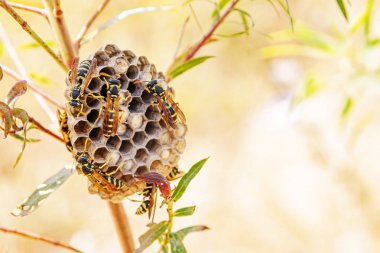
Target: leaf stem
(29, 8)
(32, 33)
(33, 87)
(209, 34)
(61, 33)
(123, 227)
(88, 24)
(39, 238)
(170, 220)
(44, 129)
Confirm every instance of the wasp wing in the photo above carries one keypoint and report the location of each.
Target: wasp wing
(73, 72)
(89, 76)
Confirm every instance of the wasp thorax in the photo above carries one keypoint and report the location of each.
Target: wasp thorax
(120, 129)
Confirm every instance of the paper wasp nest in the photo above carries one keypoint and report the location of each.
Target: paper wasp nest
(143, 141)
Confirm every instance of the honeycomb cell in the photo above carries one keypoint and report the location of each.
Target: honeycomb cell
(152, 128)
(107, 70)
(153, 71)
(157, 166)
(111, 50)
(136, 105)
(143, 63)
(147, 97)
(96, 133)
(165, 154)
(123, 116)
(152, 113)
(95, 85)
(94, 100)
(135, 121)
(102, 58)
(132, 72)
(121, 64)
(139, 138)
(181, 130)
(101, 155)
(128, 166)
(153, 145)
(180, 146)
(131, 57)
(113, 142)
(93, 116)
(137, 90)
(166, 138)
(80, 142)
(124, 82)
(82, 127)
(126, 147)
(113, 157)
(141, 170)
(112, 171)
(142, 155)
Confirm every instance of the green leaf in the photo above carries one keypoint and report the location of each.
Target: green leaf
(24, 117)
(6, 115)
(164, 247)
(40, 78)
(17, 90)
(34, 45)
(22, 138)
(187, 65)
(182, 233)
(122, 16)
(154, 232)
(219, 6)
(185, 211)
(342, 8)
(231, 35)
(186, 179)
(31, 203)
(176, 245)
(347, 107)
(247, 20)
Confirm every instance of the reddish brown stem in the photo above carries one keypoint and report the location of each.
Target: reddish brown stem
(44, 129)
(39, 238)
(88, 24)
(33, 87)
(122, 226)
(209, 34)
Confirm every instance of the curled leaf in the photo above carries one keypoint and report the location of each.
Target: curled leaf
(15, 92)
(185, 211)
(31, 203)
(180, 69)
(6, 115)
(186, 179)
(24, 117)
(182, 233)
(176, 244)
(154, 232)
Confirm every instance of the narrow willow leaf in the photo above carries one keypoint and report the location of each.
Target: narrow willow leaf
(40, 78)
(176, 245)
(231, 35)
(342, 8)
(285, 7)
(6, 115)
(219, 6)
(1, 73)
(347, 107)
(186, 179)
(188, 65)
(151, 235)
(17, 90)
(23, 116)
(247, 20)
(34, 45)
(182, 233)
(185, 211)
(123, 15)
(31, 203)
(22, 138)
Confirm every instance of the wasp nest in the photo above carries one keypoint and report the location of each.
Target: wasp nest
(143, 141)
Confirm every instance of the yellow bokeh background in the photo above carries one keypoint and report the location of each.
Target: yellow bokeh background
(287, 172)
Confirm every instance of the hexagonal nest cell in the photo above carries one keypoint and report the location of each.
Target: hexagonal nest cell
(141, 143)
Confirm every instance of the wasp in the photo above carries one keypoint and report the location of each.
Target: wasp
(111, 114)
(104, 182)
(79, 77)
(64, 128)
(148, 204)
(172, 114)
(174, 174)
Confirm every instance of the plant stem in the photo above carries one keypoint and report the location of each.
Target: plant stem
(33, 87)
(44, 129)
(61, 33)
(170, 220)
(122, 226)
(209, 34)
(88, 24)
(29, 8)
(39, 238)
(31, 32)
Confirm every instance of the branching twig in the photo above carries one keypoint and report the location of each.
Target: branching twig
(58, 24)
(44, 129)
(122, 226)
(88, 24)
(209, 34)
(39, 238)
(31, 32)
(29, 8)
(33, 87)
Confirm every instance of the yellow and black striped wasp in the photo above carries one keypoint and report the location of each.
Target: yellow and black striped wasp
(174, 174)
(79, 77)
(171, 112)
(64, 128)
(149, 201)
(104, 182)
(111, 114)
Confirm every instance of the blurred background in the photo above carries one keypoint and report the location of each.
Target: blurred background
(287, 116)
